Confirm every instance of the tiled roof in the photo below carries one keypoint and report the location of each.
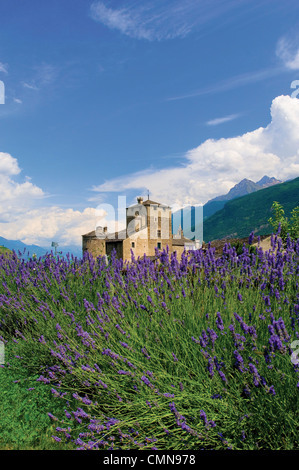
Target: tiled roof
(149, 202)
(90, 234)
(181, 241)
(118, 236)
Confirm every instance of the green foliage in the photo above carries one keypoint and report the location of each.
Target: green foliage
(283, 224)
(239, 246)
(294, 225)
(251, 213)
(24, 406)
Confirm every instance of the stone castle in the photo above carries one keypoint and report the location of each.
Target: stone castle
(148, 227)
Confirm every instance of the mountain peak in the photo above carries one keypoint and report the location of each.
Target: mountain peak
(244, 187)
(266, 181)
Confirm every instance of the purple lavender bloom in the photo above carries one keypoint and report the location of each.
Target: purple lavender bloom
(256, 375)
(196, 340)
(203, 417)
(212, 334)
(146, 381)
(211, 367)
(222, 375)
(174, 357)
(219, 322)
(239, 360)
(144, 351)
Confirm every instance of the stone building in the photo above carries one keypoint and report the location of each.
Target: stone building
(148, 226)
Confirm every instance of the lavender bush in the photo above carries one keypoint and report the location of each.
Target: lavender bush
(166, 354)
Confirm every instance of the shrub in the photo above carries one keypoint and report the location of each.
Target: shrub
(282, 225)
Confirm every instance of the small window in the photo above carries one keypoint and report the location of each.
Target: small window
(159, 233)
(159, 245)
(133, 244)
(136, 214)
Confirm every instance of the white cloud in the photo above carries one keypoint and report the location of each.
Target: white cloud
(120, 19)
(3, 67)
(158, 20)
(216, 121)
(15, 197)
(215, 166)
(43, 75)
(30, 86)
(288, 52)
(24, 217)
(42, 225)
(8, 165)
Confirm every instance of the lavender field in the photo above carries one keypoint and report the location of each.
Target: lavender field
(165, 354)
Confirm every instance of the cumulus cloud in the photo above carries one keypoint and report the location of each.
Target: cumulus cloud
(8, 165)
(215, 166)
(42, 225)
(14, 196)
(23, 215)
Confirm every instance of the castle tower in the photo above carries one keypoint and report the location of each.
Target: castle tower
(148, 227)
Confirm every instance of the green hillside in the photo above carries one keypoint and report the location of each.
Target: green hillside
(211, 207)
(241, 216)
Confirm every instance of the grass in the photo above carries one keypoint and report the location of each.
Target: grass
(24, 422)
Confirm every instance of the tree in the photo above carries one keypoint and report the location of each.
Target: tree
(294, 229)
(281, 224)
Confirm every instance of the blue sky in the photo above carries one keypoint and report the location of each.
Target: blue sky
(108, 98)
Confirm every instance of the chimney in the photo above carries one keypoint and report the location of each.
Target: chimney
(140, 200)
